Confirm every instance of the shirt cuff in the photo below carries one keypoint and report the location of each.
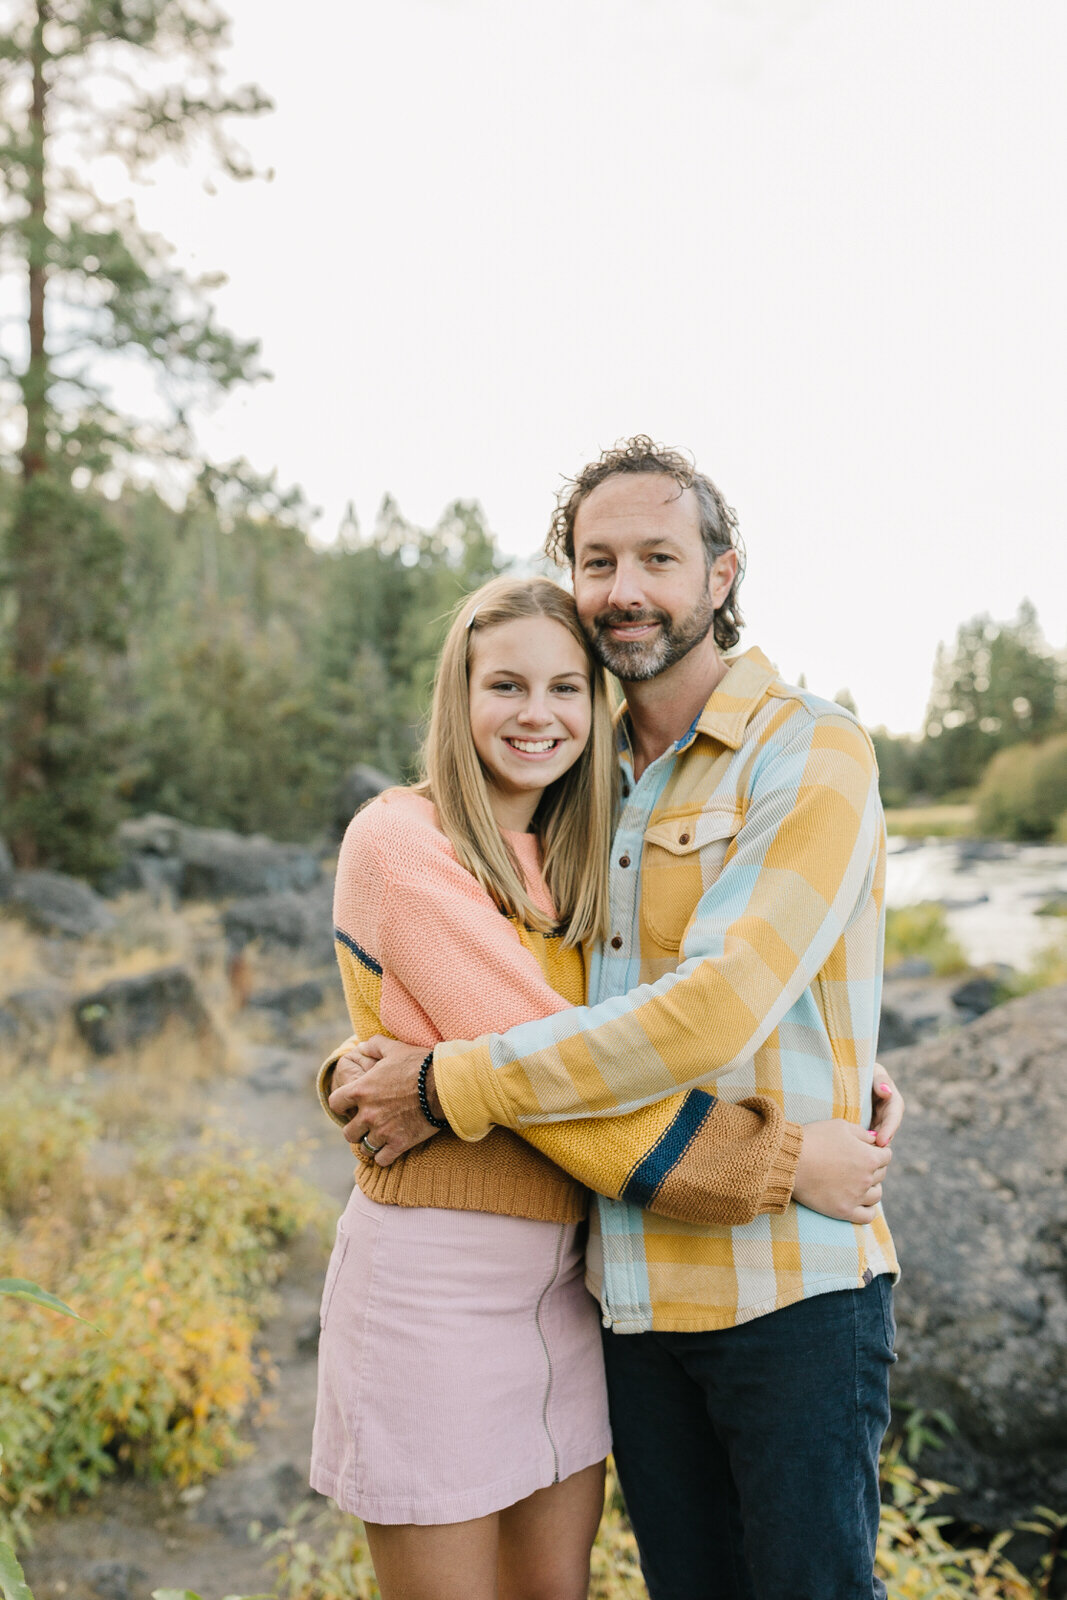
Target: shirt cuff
(467, 1087)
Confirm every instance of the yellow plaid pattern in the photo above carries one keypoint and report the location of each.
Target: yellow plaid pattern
(746, 959)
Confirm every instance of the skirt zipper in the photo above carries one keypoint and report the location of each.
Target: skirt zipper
(548, 1356)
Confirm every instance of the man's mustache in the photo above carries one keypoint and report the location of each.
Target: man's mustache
(628, 619)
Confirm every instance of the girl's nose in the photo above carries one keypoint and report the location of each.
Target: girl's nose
(536, 713)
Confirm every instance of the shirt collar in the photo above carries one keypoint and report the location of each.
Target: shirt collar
(729, 707)
(735, 699)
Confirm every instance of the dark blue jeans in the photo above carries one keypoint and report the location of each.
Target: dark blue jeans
(748, 1456)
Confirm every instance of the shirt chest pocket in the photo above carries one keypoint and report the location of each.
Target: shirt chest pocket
(682, 856)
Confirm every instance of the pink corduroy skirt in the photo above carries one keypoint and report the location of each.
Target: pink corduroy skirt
(459, 1364)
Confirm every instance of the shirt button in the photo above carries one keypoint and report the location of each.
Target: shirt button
(616, 943)
(683, 838)
(624, 861)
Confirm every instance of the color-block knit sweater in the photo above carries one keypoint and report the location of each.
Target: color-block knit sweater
(425, 955)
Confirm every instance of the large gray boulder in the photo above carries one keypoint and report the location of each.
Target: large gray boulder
(128, 1011)
(52, 902)
(978, 1208)
(160, 853)
(286, 921)
(217, 864)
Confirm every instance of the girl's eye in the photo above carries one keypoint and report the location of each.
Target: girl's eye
(568, 688)
(502, 688)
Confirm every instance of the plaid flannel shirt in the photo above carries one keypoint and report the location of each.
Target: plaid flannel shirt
(747, 896)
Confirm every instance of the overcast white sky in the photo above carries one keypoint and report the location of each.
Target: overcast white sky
(817, 242)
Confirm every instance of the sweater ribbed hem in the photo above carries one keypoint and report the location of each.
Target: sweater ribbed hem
(501, 1176)
(778, 1190)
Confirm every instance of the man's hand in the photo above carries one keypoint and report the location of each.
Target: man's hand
(888, 1107)
(380, 1088)
(840, 1170)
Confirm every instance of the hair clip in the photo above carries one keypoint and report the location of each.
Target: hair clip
(473, 614)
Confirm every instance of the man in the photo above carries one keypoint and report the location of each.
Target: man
(747, 1366)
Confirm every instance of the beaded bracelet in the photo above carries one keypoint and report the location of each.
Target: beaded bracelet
(424, 1099)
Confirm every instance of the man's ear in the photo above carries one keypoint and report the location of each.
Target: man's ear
(721, 575)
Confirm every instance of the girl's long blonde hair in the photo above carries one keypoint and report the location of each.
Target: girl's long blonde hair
(576, 815)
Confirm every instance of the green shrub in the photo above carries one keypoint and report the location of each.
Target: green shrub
(1023, 792)
(174, 1280)
(922, 932)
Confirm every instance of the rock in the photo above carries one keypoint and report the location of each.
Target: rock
(115, 1580)
(153, 835)
(278, 1071)
(290, 1001)
(922, 1004)
(1053, 906)
(160, 876)
(159, 853)
(254, 1495)
(7, 870)
(52, 902)
(306, 1342)
(894, 1032)
(289, 921)
(978, 1209)
(977, 996)
(984, 850)
(38, 1013)
(911, 967)
(358, 785)
(217, 864)
(127, 1011)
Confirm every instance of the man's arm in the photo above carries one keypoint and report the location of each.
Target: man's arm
(803, 863)
(416, 927)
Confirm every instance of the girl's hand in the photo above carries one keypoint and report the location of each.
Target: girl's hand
(348, 1069)
(888, 1108)
(840, 1170)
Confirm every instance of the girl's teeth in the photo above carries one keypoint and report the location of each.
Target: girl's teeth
(532, 747)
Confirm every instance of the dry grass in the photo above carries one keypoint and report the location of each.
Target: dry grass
(932, 822)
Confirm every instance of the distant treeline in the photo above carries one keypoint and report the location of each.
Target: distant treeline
(998, 689)
(255, 668)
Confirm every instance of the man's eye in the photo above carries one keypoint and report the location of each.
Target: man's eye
(662, 558)
(595, 563)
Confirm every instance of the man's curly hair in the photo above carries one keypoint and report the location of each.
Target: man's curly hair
(718, 521)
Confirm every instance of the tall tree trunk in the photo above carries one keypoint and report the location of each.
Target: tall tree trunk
(25, 776)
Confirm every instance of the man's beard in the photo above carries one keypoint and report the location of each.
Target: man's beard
(637, 660)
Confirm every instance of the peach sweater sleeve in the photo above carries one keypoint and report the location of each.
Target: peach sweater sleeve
(441, 942)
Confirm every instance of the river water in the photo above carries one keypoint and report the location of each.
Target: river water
(991, 892)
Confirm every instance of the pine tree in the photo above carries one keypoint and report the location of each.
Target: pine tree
(81, 80)
(997, 687)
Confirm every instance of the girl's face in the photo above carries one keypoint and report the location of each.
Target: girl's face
(530, 711)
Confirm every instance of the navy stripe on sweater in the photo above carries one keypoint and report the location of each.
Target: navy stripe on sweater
(358, 951)
(644, 1182)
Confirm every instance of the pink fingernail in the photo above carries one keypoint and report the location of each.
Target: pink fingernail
(884, 1088)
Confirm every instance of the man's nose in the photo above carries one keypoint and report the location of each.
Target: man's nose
(627, 593)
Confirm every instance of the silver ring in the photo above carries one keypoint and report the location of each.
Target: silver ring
(371, 1149)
